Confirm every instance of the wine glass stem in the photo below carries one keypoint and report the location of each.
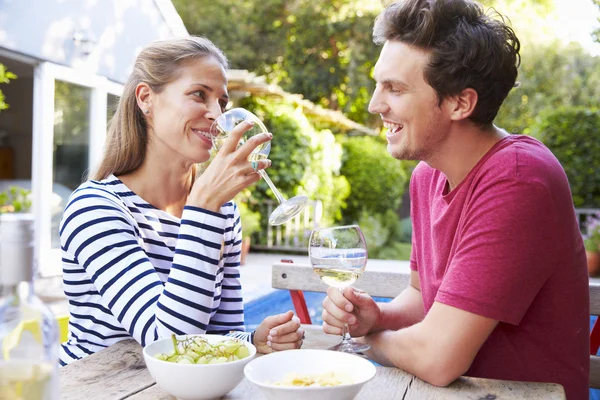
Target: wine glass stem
(346, 334)
(264, 175)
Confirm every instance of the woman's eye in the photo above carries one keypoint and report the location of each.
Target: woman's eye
(199, 94)
(223, 105)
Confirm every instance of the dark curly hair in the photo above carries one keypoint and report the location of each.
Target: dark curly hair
(469, 48)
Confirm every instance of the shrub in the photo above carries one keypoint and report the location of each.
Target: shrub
(377, 180)
(573, 135)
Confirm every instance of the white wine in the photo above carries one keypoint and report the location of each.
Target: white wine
(339, 278)
(20, 380)
(257, 157)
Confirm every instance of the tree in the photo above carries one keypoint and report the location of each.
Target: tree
(550, 77)
(596, 33)
(5, 77)
(322, 50)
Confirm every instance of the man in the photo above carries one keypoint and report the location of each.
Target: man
(499, 285)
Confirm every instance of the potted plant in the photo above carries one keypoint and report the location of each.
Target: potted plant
(15, 200)
(250, 224)
(592, 244)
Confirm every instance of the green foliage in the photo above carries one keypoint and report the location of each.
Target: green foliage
(5, 77)
(322, 50)
(550, 77)
(381, 237)
(305, 160)
(250, 219)
(15, 199)
(592, 238)
(377, 180)
(573, 135)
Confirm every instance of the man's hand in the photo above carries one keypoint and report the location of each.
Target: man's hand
(278, 332)
(353, 306)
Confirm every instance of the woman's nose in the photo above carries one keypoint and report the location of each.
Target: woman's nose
(214, 112)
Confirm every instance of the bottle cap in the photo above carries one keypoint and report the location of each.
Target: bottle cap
(16, 248)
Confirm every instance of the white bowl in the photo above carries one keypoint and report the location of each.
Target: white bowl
(266, 370)
(195, 381)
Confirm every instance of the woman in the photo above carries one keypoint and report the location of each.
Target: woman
(148, 249)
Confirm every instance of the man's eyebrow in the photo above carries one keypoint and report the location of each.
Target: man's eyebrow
(394, 82)
(225, 96)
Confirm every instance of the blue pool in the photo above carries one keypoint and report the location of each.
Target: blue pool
(280, 301)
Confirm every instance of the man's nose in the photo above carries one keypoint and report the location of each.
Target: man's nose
(376, 105)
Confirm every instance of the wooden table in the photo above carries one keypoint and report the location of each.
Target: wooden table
(119, 372)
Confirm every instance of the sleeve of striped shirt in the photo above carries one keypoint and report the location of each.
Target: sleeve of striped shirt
(230, 315)
(100, 235)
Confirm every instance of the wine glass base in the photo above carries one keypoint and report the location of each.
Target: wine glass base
(350, 347)
(287, 210)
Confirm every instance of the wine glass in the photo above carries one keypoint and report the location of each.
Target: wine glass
(220, 131)
(339, 256)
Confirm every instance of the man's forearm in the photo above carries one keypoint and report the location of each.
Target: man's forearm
(404, 311)
(409, 350)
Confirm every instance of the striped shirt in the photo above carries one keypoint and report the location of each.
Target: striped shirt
(131, 270)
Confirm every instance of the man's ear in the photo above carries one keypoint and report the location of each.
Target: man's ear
(463, 104)
(143, 97)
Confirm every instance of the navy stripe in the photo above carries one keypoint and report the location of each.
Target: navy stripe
(78, 283)
(230, 312)
(188, 303)
(123, 272)
(98, 335)
(197, 256)
(192, 288)
(92, 305)
(202, 226)
(169, 327)
(115, 260)
(85, 210)
(73, 356)
(86, 351)
(88, 293)
(142, 309)
(97, 321)
(225, 323)
(205, 211)
(128, 286)
(145, 330)
(182, 317)
(133, 299)
(232, 300)
(197, 239)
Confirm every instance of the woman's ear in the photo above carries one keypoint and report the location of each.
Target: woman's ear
(143, 96)
(464, 104)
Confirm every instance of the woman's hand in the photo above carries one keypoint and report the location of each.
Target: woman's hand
(278, 332)
(230, 171)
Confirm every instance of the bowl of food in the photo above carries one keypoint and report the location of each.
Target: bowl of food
(196, 367)
(309, 374)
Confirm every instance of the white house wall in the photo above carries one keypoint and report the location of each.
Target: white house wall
(118, 29)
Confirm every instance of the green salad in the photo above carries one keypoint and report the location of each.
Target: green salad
(197, 350)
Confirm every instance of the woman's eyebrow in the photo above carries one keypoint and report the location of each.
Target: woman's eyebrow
(208, 88)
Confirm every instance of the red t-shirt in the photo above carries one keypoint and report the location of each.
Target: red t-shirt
(505, 244)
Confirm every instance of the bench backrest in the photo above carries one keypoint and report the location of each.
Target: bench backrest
(300, 277)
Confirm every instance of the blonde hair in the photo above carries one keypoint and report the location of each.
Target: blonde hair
(157, 65)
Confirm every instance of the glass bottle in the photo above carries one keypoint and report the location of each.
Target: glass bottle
(28, 330)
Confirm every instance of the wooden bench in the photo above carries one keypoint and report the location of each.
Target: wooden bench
(299, 277)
